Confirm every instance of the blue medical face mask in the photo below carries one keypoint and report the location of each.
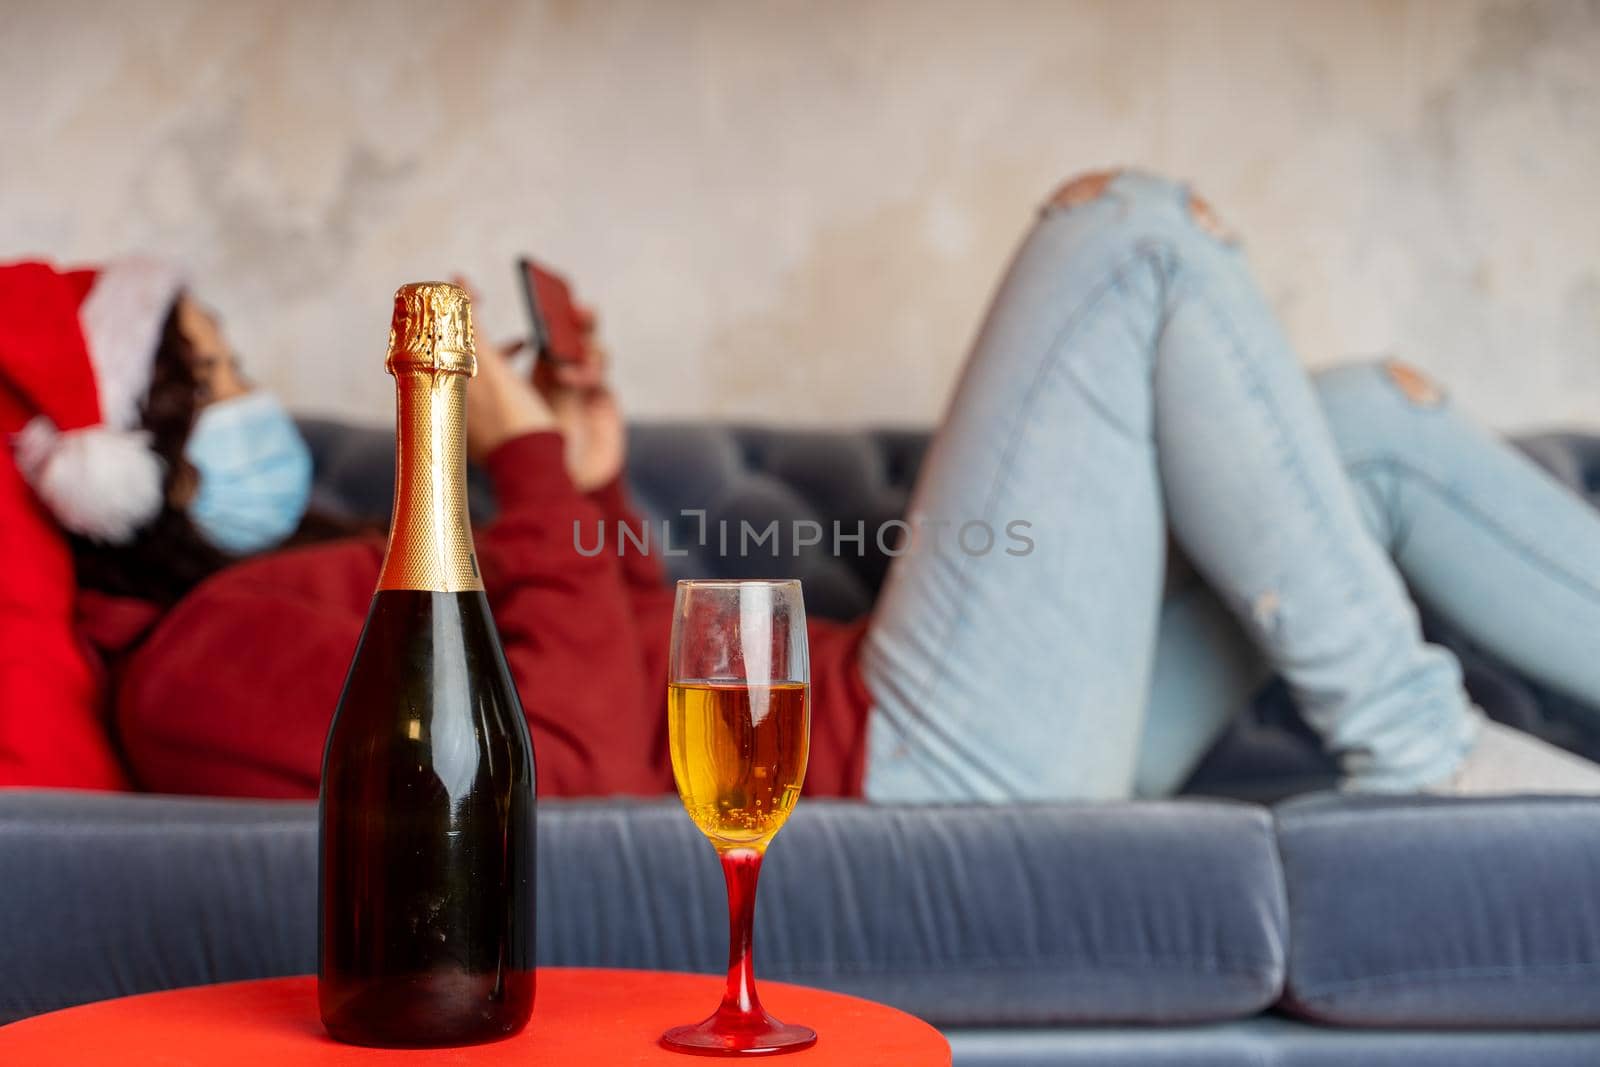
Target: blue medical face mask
(255, 473)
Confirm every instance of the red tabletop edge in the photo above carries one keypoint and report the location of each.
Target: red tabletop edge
(607, 1018)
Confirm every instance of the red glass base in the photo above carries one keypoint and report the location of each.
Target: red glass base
(740, 1026)
(733, 1034)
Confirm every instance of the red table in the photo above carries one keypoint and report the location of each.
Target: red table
(274, 1022)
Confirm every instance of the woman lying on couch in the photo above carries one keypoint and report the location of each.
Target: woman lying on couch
(1129, 383)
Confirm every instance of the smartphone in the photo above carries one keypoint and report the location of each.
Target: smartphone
(557, 334)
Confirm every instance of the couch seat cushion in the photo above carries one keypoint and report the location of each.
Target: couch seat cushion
(1443, 912)
(1033, 915)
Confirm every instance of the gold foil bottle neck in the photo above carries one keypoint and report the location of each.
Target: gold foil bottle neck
(430, 355)
(431, 330)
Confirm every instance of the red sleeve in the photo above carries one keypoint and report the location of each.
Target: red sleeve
(641, 570)
(563, 608)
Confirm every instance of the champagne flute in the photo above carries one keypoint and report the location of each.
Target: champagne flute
(739, 724)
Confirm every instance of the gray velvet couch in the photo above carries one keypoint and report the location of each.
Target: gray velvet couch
(1203, 930)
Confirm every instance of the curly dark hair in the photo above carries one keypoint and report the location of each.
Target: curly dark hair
(168, 556)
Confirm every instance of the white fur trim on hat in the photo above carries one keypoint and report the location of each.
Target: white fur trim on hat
(122, 319)
(99, 482)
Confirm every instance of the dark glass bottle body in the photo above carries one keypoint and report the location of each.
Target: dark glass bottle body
(427, 920)
(426, 909)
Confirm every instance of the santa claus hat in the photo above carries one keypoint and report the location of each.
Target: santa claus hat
(77, 349)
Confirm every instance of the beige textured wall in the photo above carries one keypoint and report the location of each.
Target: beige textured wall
(797, 210)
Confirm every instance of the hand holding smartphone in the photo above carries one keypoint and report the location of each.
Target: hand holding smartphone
(569, 371)
(558, 331)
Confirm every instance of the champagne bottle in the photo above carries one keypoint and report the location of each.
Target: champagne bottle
(426, 916)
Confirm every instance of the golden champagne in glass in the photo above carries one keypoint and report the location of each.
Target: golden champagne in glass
(739, 755)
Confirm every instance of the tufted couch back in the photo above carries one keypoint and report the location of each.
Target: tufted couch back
(744, 478)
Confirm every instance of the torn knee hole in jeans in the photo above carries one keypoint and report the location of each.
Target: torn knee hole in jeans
(1264, 609)
(1416, 386)
(1083, 188)
(1208, 221)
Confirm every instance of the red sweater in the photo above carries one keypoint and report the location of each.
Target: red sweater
(232, 693)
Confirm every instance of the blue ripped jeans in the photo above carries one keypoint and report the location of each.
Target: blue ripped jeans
(1129, 381)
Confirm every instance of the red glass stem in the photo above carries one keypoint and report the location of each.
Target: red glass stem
(741, 867)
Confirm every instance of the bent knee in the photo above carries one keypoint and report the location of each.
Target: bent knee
(1372, 406)
(1141, 189)
(1379, 382)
